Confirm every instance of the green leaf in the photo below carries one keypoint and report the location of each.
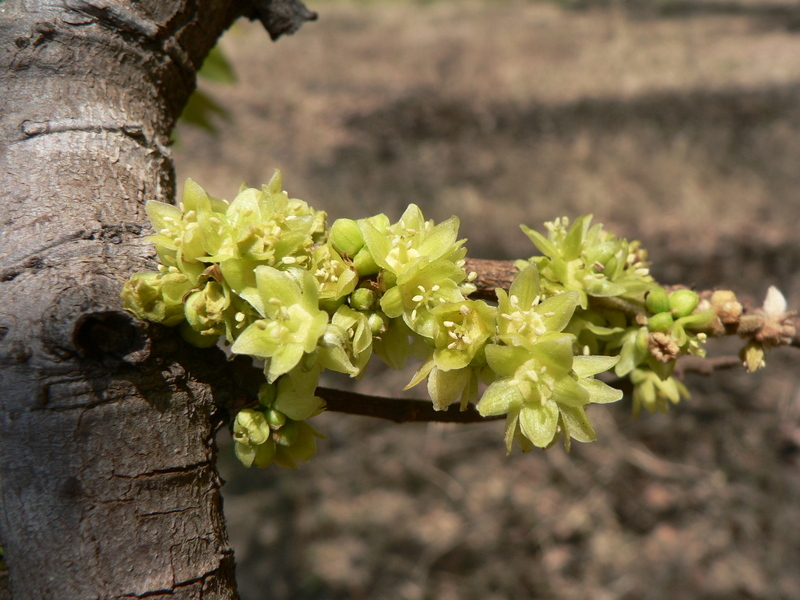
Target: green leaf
(216, 67)
(200, 111)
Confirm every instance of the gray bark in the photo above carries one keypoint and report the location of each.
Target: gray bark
(107, 477)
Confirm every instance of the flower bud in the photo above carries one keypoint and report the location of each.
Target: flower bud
(192, 309)
(364, 263)
(378, 322)
(683, 302)
(752, 356)
(726, 306)
(346, 237)
(657, 300)
(660, 322)
(276, 419)
(362, 299)
(288, 434)
(251, 427)
(266, 394)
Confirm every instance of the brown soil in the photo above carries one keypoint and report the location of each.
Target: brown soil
(677, 124)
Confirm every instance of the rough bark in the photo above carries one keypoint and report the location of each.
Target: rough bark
(107, 477)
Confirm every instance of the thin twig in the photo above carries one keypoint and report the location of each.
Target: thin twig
(397, 409)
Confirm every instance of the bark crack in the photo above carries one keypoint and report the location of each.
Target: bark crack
(170, 471)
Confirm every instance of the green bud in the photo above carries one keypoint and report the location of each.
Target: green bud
(362, 299)
(683, 302)
(266, 394)
(192, 308)
(287, 434)
(660, 322)
(378, 322)
(364, 263)
(276, 419)
(346, 237)
(657, 300)
(198, 339)
(251, 427)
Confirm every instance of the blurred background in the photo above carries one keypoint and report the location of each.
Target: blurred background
(673, 122)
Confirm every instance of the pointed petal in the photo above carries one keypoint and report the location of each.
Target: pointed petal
(586, 366)
(539, 423)
(499, 398)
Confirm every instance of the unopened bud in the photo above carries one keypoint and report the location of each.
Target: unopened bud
(346, 237)
(683, 302)
(660, 322)
(378, 322)
(287, 435)
(657, 300)
(266, 394)
(276, 419)
(726, 305)
(362, 299)
(364, 263)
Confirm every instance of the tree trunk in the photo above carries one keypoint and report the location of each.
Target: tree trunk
(107, 476)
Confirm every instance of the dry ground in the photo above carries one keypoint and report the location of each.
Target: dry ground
(678, 127)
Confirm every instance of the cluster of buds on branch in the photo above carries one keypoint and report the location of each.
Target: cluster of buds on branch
(524, 341)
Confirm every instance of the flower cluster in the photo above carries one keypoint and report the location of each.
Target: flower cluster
(622, 310)
(266, 276)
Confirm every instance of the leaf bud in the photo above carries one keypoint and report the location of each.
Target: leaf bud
(657, 300)
(683, 302)
(346, 237)
(362, 299)
(660, 322)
